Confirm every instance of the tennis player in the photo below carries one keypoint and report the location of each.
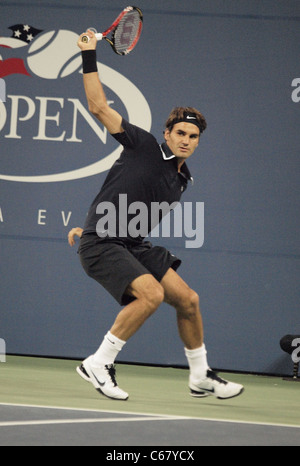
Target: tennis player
(138, 275)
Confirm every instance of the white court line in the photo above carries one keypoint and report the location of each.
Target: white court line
(162, 417)
(89, 410)
(81, 421)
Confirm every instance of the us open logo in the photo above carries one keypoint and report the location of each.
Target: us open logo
(47, 133)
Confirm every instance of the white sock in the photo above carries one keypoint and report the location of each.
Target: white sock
(197, 360)
(109, 350)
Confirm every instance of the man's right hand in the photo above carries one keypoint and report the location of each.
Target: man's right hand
(91, 45)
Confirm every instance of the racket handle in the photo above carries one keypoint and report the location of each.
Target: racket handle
(86, 39)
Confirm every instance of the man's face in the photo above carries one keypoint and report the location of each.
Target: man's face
(183, 139)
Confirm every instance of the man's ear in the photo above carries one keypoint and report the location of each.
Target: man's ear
(166, 134)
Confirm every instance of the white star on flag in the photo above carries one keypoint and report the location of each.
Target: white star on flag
(22, 36)
(24, 32)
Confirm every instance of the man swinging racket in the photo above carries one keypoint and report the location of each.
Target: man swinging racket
(138, 275)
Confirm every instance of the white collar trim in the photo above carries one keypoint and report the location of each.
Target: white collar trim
(165, 157)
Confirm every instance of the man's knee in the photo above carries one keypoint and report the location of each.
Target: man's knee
(149, 291)
(154, 296)
(188, 303)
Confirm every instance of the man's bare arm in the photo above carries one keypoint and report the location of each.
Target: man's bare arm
(95, 94)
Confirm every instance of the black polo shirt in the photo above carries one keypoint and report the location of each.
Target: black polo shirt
(145, 172)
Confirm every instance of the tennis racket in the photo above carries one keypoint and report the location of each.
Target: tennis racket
(125, 31)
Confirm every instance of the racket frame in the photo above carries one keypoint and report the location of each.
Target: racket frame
(113, 27)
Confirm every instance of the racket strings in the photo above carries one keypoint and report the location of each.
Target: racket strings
(127, 33)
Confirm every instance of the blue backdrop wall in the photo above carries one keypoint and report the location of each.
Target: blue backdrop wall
(239, 63)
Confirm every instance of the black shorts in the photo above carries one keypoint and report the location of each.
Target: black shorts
(116, 264)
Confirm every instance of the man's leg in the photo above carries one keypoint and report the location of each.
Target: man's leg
(98, 368)
(189, 320)
(149, 295)
(186, 302)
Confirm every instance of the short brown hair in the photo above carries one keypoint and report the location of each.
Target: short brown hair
(180, 113)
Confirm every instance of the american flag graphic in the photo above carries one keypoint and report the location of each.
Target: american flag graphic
(22, 36)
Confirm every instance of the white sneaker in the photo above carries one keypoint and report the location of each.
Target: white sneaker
(103, 378)
(215, 386)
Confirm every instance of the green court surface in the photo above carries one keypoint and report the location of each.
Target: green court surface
(153, 390)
